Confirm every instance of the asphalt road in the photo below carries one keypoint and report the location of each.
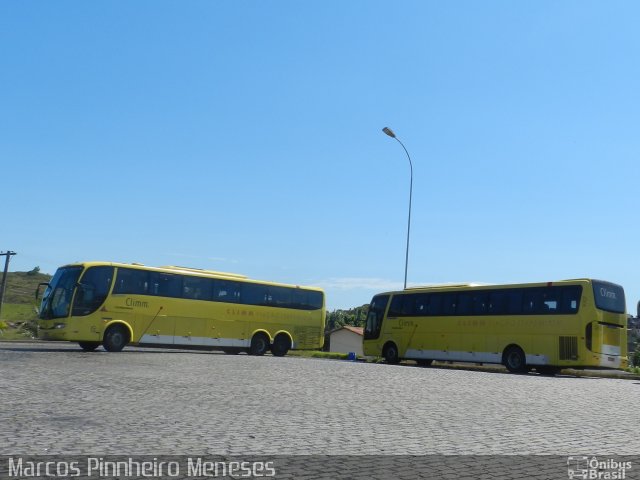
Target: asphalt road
(58, 400)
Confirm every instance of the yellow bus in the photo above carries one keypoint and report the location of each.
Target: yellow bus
(547, 326)
(115, 304)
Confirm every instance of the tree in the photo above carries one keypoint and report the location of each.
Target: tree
(35, 271)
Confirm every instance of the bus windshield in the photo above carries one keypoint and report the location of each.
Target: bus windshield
(56, 300)
(375, 315)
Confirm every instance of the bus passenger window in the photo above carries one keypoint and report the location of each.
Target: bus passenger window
(225, 291)
(132, 281)
(532, 302)
(197, 288)
(449, 303)
(514, 306)
(465, 304)
(570, 299)
(480, 303)
(435, 305)
(165, 285)
(397, 306)
(498, 302)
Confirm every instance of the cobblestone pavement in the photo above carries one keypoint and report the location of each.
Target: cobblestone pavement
(58, 400)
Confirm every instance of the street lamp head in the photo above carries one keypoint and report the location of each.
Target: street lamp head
(389, 132)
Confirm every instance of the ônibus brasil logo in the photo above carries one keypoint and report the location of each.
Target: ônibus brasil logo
(592, 468)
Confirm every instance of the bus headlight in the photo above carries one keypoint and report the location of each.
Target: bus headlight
(59, 325)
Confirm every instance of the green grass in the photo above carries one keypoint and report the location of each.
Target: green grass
(318, 354)
(15, 334)
(17, 313)
(17, 320)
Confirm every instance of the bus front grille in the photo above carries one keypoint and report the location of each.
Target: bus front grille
(568, 348)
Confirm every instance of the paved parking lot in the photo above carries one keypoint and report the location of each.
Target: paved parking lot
(58, 400)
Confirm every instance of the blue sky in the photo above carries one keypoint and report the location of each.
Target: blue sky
(245, 136)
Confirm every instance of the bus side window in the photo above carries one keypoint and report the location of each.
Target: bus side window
(280, 296)
(550, 300)
(197, 288)
(515, 302)
(165, 285)
(435, 305)
(397, 306)
(449, 303)
(498, 302)
(132, 281)
(299, 299)
(465, 304)
(481, 303)
(532, 301)
(253, 294)
(409, 305)
(226, 291)
(570, 299)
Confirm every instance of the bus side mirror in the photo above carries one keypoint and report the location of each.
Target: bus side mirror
(38, 288)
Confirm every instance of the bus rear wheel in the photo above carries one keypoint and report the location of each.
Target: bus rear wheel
(259, 344)
(89, 346)
(390, 353)
(281, 345)
(115, 338)
(514, 360)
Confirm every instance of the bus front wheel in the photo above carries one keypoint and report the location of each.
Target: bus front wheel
(115, 338)
(259, 344)
(281, 345)
(514, 360)
(390, 353)
(89, 346)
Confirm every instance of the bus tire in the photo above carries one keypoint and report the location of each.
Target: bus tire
(390, 353)
(547, 370)
(514, 359)
(259, 344)
(89, 346)
(115, 338)
(281, 345)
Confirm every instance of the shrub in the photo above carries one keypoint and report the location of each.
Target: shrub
(635, 357)
(35, 271)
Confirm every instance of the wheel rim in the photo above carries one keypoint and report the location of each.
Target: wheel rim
(116, 339)
(515, 361)
(259, 345)
(391, 355)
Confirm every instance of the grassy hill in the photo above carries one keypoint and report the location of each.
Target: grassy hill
(18, 309)
(21, 286)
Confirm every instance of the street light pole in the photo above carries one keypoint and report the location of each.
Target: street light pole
(389, 132)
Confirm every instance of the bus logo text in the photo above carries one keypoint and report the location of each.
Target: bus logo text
(607, 293)
(132, 302)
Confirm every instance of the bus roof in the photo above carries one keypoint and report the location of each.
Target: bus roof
(189, 271)
(489, 286)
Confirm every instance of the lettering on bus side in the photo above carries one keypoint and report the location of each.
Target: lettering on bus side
(132, 302)
(236, 312)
